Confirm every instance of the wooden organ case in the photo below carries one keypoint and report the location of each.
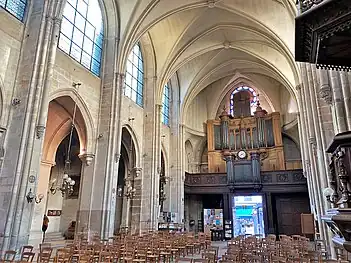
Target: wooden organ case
(260, 133)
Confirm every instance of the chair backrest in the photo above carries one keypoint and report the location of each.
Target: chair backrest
(27, 256)
(9, 256)
(27, 249)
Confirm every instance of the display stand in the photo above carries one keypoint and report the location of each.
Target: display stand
(228, 229)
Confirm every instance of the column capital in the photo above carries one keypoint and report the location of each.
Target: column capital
(87, 158)
(39, 130)
(325, 92)
(137, 171)
(47, 163)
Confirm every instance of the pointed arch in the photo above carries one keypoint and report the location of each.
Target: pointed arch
(88, 120)
(135, 143)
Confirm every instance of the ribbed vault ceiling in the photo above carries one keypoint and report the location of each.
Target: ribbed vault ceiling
(203, 41)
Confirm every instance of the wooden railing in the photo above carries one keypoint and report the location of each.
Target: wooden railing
(291, 177)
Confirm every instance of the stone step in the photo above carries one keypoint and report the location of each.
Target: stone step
(53, 236)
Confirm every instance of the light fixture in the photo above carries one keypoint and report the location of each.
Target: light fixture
(130, 190)
(30, 197)
(67, 185)
(329, 195)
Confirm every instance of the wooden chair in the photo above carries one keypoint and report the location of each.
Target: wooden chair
(9, 256)
(27, 256)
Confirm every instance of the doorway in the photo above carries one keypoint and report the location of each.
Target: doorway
(248, 215)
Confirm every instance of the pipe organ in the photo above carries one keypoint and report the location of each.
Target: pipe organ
(260, 133)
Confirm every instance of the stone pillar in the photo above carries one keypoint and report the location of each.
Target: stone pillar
(90, 206)
(307, 110)
(148, 187)
(338, 102)
(157, 165)
(21, 130)
(35, 235)
(136, 201)
(112, 156)
(346, 91)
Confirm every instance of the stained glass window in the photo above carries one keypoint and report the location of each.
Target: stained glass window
(134, 81)
(14, 7)
(253, 98)
(82, 33)
(165, 105)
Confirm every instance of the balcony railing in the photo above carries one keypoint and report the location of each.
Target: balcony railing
(305, 5)
(290, 177)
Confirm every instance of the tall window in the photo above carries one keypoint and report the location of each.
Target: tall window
(165, 105)
(134, 80)
(82, 33)
(251, 97)
(14, 7)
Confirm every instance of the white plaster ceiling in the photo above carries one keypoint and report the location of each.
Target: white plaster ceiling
(203, 41)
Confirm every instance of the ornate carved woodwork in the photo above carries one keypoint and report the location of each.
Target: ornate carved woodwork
(338, 219)
(323, 35)
(277, 181)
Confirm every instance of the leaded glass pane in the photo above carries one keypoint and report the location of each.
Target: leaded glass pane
(76, 52)
(82, 7)
(82, 29)
(64, 43)
(69, 12)
(80, 22)
(15, 7)
(86, 60)
(134, 76)
(66, 27)
(78, 37)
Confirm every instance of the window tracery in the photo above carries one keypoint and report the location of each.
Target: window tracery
(81, 35)
(253, 98)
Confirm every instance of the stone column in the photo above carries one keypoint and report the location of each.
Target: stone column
(113, 155)
(338, 102)
(346, 91)
(157, 165)
(35, 235)
(136, 201)
(21, 128)
(90, 207)
(306, 106)
(148, 187)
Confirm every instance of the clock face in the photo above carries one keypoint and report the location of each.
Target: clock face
(242, 154)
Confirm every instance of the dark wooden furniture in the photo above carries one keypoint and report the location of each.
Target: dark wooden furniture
(338, 219)
(323, 35)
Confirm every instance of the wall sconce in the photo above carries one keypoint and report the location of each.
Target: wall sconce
(329, 195)
(30, 197)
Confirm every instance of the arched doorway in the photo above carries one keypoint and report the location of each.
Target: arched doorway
(62, 202)
(61, 210)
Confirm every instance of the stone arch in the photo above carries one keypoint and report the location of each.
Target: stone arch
(59, 124)
(89, 143)
(292, 152)
(189, 155)
(135, 143)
